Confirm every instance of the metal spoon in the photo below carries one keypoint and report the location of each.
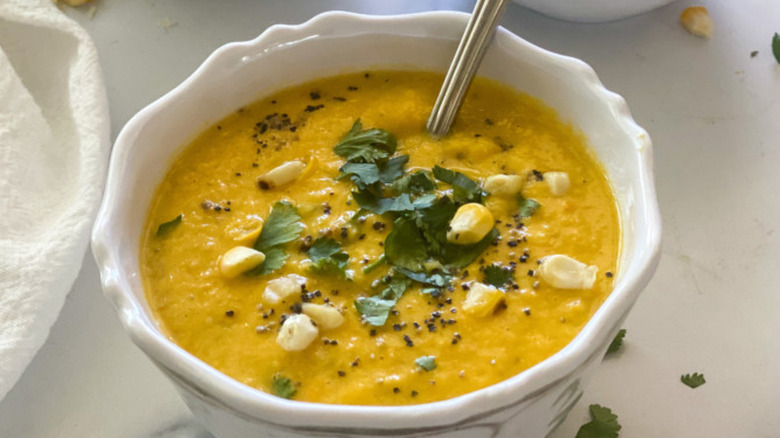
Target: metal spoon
(471, 49)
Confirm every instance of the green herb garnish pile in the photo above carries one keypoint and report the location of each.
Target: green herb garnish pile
(603, 424)
(417, 248)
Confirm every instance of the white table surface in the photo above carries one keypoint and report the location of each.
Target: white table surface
(713, 113)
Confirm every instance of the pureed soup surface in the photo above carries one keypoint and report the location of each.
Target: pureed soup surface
(467, 315)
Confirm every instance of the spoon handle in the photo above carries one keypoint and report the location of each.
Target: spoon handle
(471, 49)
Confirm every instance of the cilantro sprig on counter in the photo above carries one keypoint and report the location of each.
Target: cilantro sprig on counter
(603, 424)
(617, 342)
(693, 380)
(281, 227)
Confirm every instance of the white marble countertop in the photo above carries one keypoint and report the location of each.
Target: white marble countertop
(713, 112)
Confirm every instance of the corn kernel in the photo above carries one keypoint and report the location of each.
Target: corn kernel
(697, 21)
(471, 223)
(239, 260)
(281, 175)
(482, 299)
(564, 272)
(558, 182)
(296, 333)
(280, 288)
(504, 184)
(327, 317)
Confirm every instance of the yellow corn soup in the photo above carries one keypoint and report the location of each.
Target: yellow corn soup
(436, 342)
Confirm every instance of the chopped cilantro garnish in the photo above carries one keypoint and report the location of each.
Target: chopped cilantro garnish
(422, 215)
(283, 387)
(438, 279)
(379, 205)
(433, 223)
(776, 47)
(392, 169)
(365, 146)
(428, 363)
(274, 259)
(498, 276)
(527, 206)
(460, 256)
(367, 174)
(328, 258)
(617, 342)
(362, 174)
(375, 264)
(166, 227)
(417, 182)
(603, 424)
(376, 309)
(282, 226)
(693, 380)
(405, 245)
(465, 189)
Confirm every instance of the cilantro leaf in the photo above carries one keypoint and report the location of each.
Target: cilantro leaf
(498, 276)
(465, 189)
(166, 227)
(376, 309)
(617, 342)
(362, 174)
(433, 222)
(776, 47)
(528, 206)
(405, 246)
(379, 205)
(328, 258)
(417, 182)
(438, 279)
(282, 226)
(460, 256)
(392, 169)
(603, 424)
(425, 201)
(274, 259)
(365, 146)
(428, 363)
(693, 380)
(283, 387)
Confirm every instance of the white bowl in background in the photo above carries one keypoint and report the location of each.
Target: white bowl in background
(529, 404)
(592, 11)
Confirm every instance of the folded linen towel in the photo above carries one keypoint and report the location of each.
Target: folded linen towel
(54, 138)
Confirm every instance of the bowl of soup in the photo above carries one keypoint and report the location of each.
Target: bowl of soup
(281, 236)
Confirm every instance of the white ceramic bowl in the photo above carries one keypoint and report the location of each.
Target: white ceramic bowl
(592, 11)
(529, 404)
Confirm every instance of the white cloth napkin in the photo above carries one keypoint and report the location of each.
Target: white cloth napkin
(54, 138)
